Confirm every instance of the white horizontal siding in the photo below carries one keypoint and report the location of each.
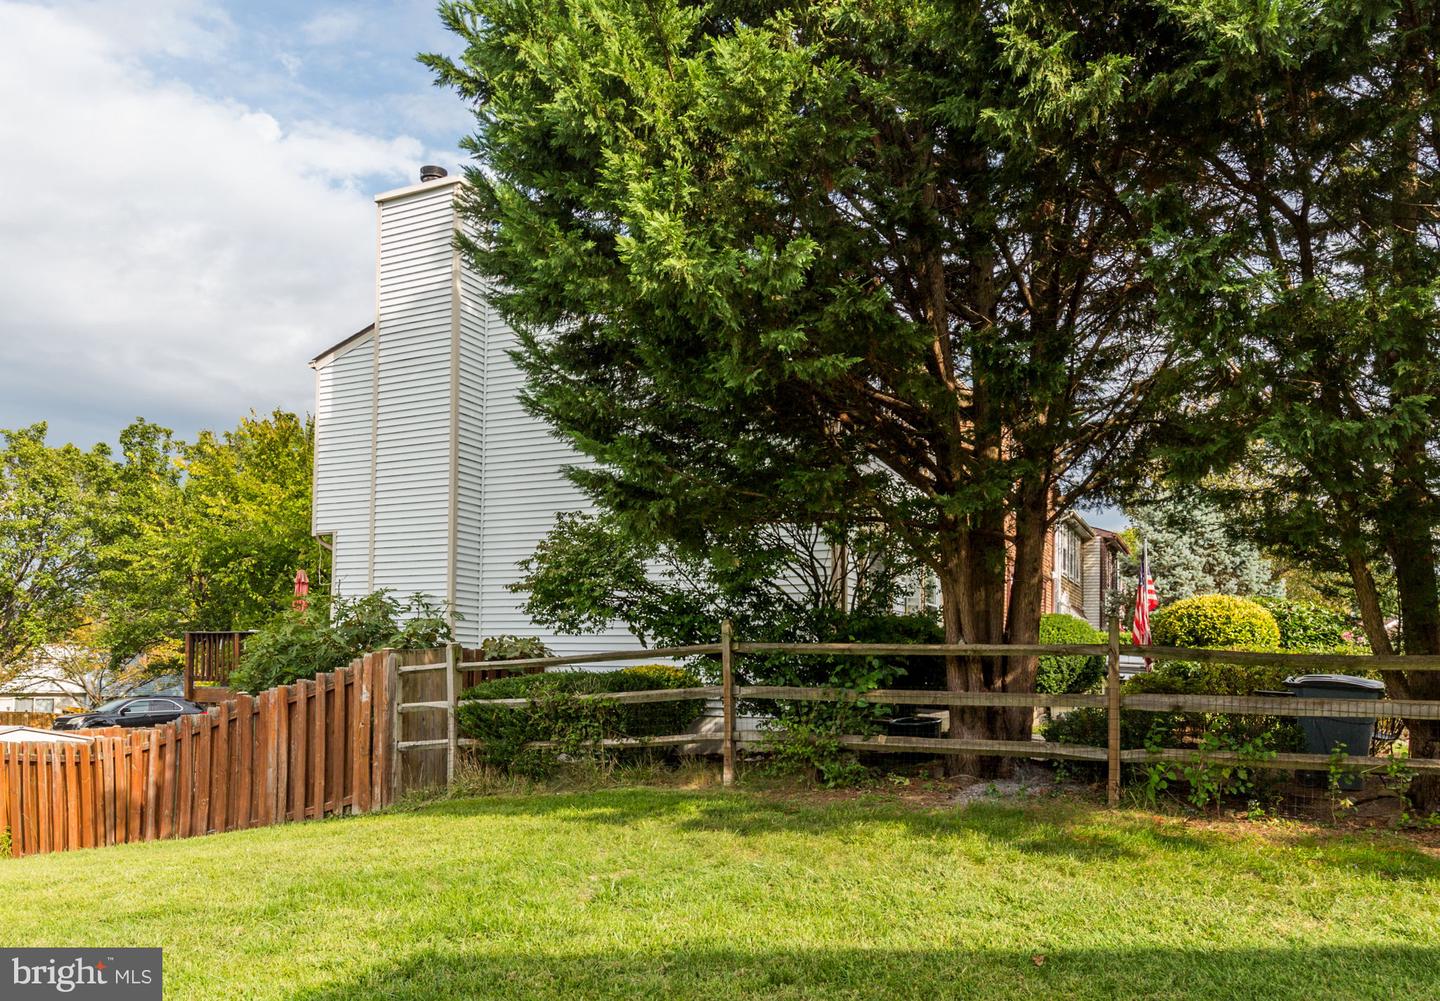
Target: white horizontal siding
(412, 460)
(525, 488)
(344, 398)
(472, 461)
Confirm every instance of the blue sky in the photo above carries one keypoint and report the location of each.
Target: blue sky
(194, 217)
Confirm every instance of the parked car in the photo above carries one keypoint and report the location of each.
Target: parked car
(145, 710)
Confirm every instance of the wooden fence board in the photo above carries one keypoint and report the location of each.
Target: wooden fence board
(366, 679)
(282, 752)
(31, 775)
(244, 747)
(42, 796)
(265, 759)
(72, 795)
(220, 769)
(378, 728)
(137, 785)
(352, 714)
(165, 826)
(185, 788)
(5, 811)
(299, 749)
(317, 751)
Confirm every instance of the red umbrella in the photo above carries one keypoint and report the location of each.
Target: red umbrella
(302, 588)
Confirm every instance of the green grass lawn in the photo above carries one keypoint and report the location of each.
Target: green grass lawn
(662, 893)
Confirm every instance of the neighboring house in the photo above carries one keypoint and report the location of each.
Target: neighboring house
(1083, 569)
(41, 688)
(48, 687)
(429, 475)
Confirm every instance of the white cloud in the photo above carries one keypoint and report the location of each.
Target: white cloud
(333, 25)
(164, 253)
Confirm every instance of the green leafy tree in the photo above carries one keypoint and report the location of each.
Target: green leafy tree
(781, 583)
(52, 500)
(825, 262)
(206, 535)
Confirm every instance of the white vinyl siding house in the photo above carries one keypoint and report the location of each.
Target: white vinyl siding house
(429, 475)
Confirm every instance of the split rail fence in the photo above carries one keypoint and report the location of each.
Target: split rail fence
(352, 740)
(1112, 700)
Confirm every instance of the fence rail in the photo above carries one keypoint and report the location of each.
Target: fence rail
(317, 748)
(1113, 700)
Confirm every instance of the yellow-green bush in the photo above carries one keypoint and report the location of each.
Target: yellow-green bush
(1215, 621)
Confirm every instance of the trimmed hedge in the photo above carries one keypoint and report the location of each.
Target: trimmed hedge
(554, 713)
(1063, 675)
(1215, 621)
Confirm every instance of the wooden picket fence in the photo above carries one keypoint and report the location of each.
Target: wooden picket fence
(313, 749)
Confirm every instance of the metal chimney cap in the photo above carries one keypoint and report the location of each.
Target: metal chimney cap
(430, 172)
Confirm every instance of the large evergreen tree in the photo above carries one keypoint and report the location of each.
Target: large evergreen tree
(829, 260)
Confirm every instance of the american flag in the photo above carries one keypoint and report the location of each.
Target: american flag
(1146, 601)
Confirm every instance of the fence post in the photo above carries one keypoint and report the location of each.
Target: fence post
(1112, 695)
(393, 684)
(452, 736)
(727, 695)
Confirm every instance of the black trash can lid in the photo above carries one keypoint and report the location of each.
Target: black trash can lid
(1336, 681)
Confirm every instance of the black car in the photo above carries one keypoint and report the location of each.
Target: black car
(141, 710)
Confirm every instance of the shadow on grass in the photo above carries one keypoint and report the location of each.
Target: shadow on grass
(1049, 828)
(650, 972)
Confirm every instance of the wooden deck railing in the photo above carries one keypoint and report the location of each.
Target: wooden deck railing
(210, 657)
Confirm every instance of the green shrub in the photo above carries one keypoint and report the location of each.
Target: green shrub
(334, 631)
(1306, 625)
(513, 648)
(804, 738)
(554, 712)
(1216, 621)
(1061, 675)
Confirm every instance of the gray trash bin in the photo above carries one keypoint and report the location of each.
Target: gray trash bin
(1324, 733)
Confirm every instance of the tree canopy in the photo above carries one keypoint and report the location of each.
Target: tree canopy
(114, 554)
(833, 262)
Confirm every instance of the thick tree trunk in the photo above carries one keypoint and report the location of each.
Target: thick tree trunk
(1026, 600)
(975, 599)
(972, 594)
(1420, 615)
(1412, 551)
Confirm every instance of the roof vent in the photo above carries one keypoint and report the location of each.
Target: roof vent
(431, 173)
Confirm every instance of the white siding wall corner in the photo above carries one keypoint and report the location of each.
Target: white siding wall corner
(343, 451)
(413, 433)
(423, 452)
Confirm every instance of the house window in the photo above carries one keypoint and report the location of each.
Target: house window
(1068, 545)
(43, 705)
